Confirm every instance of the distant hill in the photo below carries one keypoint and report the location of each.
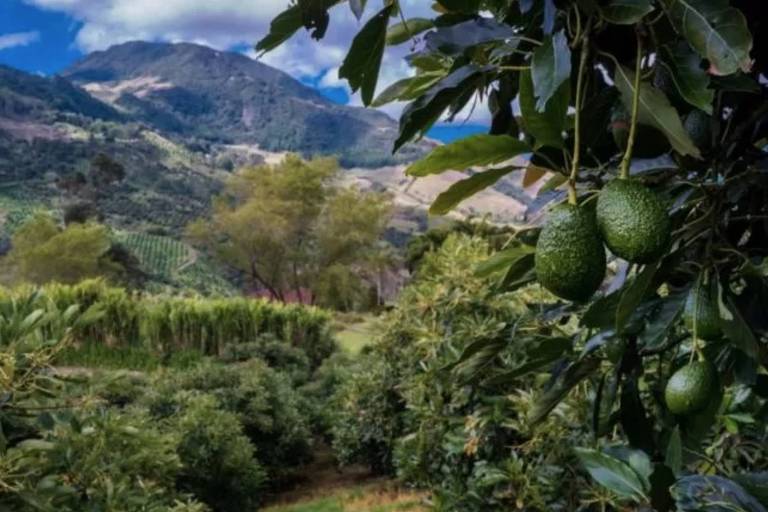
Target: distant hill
(228, 98)
(179, 118)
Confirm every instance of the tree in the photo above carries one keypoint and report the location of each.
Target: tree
(286, 225)
(42, 251)
(591, 91)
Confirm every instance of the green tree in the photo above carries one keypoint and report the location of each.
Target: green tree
(286, 225)
(564, 81)
(42, 251)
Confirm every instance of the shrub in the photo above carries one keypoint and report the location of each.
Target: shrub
(278, 354)
(100, 460)
(411, 406)
(219, 466)
(272, 414)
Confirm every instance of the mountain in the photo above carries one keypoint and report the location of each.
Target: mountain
(228, 98)
(178, 119)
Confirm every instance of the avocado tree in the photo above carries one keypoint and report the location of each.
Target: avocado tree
(651, 117)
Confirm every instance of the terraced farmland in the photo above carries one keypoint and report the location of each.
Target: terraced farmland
(158, 255)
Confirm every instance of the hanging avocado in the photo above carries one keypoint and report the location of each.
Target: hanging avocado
(690, 388)
(633, 221)
(570, 257)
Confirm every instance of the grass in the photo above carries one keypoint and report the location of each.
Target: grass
(99, 355)
(379, 497)
(354, 336)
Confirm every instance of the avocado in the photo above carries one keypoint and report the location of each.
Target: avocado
(633, 221)
(570, 257)
(699, 128)
(690, 388)
(702, 309)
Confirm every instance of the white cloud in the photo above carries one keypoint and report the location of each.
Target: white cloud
(226, 24)
(18, 39)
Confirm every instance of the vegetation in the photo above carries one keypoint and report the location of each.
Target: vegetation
(42, 251)
(167, 325)
(208, 435)
(290, 229)
(517, 410)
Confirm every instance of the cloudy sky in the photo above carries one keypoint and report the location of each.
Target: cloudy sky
(44, 36)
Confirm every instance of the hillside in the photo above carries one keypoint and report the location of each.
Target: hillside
(179, 118)
(228, 98)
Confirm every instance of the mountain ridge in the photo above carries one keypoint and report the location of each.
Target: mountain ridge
(226, 97)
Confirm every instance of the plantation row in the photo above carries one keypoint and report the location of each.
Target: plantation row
(157, 254)
(167, 324)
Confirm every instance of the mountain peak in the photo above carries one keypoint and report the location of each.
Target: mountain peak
(228, 97)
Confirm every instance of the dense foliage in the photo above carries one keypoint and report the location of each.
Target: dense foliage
(220, 435)
(291, 229)
(665, 362)
(167, 324)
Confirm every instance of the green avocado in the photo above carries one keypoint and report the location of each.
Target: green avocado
(701, 306)
(570, 257)
(633, 221)
(690, 388)
(698, 126)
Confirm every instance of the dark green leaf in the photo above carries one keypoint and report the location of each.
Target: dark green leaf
(456, 39)
(362, 63)
(633, 294)
(662, 479)
(655, 110)
(472, 350)
(477, 150)
(699, 493)
(755, 484)
(466, 188)
(407, 89)
(634, 420)
(605, 404)
(404, 31)
(420, 115)
(541, 352)
(552, 183)
(601, 313)
(674, 455)
(613, 474)
(520, 273)
(717, 31)
(560, 386)
(546, 127)
(626, 12)
(551, 67)
(691, 80)
(734, 326)
(281, 29)
(502, 260)
(661, 322)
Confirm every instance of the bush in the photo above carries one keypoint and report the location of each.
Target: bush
(272, 414)
(101, 460)
(219, 466)
(278, 354)
(410, 406)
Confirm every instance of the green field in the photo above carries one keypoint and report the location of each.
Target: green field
(353, 336)
(382, 497)
(173, 264)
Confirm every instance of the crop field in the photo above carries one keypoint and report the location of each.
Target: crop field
(159, 255)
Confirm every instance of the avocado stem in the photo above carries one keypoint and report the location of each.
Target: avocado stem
(626, 161)
(575, 161)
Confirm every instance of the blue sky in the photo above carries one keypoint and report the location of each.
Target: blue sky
(45, 36)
